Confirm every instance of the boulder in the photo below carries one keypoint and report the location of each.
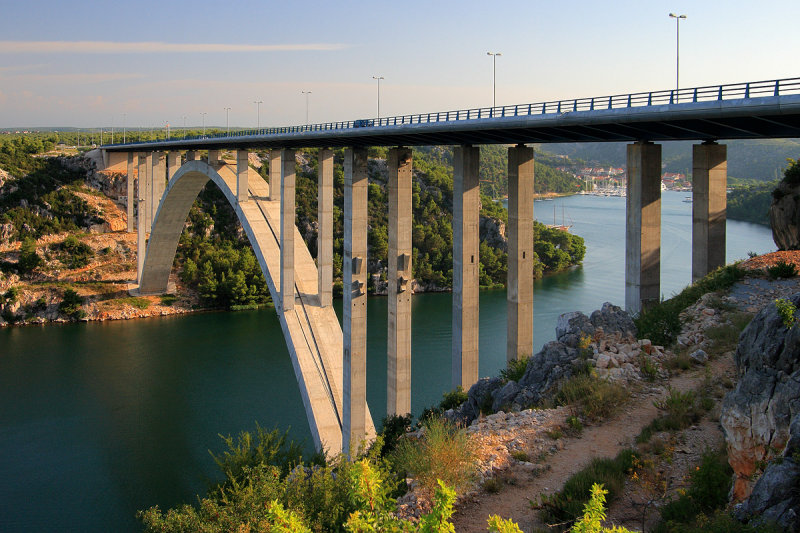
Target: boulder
(784, 216)
(545, 369)
(504, 396)
(775, 497)
(613, 319)
(756, 414)
(699, 356)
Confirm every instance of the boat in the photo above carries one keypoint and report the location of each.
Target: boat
(687, 200)
(562, 226)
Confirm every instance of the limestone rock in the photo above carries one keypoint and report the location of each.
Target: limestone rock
(784, 216)
(756, 414)
(545, 369)
(505, 395)
(699, 356)
(493, 232)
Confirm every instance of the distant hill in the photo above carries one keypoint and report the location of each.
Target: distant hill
(763, 160)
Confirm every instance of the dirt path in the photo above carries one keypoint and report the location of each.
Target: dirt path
(606, 440)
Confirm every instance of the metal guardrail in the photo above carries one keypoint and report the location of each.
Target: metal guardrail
(757, 89)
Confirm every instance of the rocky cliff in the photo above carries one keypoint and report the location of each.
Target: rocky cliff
(756, 416)
(784, 216)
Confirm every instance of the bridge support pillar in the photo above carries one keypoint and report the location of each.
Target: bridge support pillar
(275, 175)
(173, 164)
(130, 186)
(148, 190)
(159, 182)
(287, 230)
(643, 230)
(519, 343)
(191, 155)
(465, 266)
(213, 158)
(354, 306)
(398, 351)
(141, 222)
(325, 234)
(242, 163)
(709, 203)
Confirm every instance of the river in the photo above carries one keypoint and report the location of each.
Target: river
(98, 420)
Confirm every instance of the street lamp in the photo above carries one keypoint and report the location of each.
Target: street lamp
(677, 52)
(204, 123)
(494, 76)
(306, 93)
(184, 126)
(378, 79)
(124, 132)
(258, 113)
(227, 124)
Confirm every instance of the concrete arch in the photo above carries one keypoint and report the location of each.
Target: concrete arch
(312, 333)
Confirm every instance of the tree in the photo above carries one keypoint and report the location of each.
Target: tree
(28, 258)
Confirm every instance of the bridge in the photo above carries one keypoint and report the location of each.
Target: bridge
(166, 175)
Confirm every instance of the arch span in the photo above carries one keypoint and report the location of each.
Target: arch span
(312, 333)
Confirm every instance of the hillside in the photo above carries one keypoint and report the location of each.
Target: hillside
(756, 159)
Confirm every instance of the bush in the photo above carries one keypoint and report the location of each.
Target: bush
(597, 398)
(680, 410)
(394, 427)
(567, 504)
(515, 370)
(76, 254)
(786, 310)
(443, 452)
(71, 305)
(28, 258)
(661, 322)
(781, 269)
(135, 301)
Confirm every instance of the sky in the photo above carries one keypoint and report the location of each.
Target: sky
(144, 63)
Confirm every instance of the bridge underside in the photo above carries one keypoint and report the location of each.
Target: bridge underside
(312, 332)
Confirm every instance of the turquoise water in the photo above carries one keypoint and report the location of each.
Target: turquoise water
(98, 420)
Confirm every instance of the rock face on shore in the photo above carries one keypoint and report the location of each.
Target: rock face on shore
(784, 216)
(605, 340)
(757, 414)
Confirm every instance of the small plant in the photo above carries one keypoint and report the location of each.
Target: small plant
(648, 368)
(443, 452)
(515, 370)
(453, 399)
(492, 485)
(787, 311)
(519, 455)
(574, 425)
(555, 433)
(781, 269)
(597, 398)
(135, 301)
(168, 299)
(594, 513)
(751, 254)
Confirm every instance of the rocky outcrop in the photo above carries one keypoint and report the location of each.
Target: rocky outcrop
(756, 414)
(776, 495)
(3, 177)
(493, 232)
(784, 216)
(605, 340)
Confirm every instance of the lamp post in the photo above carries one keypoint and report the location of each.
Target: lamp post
(306, 93)
(677, 52)
(258, 113)
(124, 132)
(204, 123)
(494, 76)
(184, 126)
(378, 79)
(227, 123)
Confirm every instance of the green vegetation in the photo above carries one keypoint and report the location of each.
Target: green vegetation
(28, 258)
(751, 202)
(442, 452)
(568, 503)
(74, 253)
(594, 514)
(781, 269)
(71, 305)
(134, 301)
(787, 312)
(515, 370)
(679, 410)
(661, 322)
(595, 398)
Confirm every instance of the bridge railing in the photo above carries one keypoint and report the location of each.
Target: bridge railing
(757, 89)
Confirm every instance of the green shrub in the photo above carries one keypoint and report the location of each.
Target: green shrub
(75, 254)
(787, 311)
(781, 270)
(515, 370)
(453, 399)
(568, 503)
(168, 299)
(71, 305)
(394, 427)
(443, 452)
(10, 296)
(648, 368)
(574, 425)
(248, 450)
(679, 411)
(28, 258)
(661, 322)
(597, 398)
(135, 301)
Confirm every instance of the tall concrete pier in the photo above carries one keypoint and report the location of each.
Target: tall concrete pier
(275, 175)
(465, 265)
(130, 186)
(519, 343)
(398, 348)
(354, 306)
(709, 204)
(148, 190)
(643, 231)
(325, 221)
(287, 229)
(242, 163)
(141, 210)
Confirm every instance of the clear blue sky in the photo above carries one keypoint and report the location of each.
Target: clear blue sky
(88, 63)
